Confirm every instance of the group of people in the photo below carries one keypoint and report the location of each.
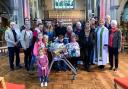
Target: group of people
(92, 42)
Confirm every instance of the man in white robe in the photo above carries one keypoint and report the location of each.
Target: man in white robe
(101, 47)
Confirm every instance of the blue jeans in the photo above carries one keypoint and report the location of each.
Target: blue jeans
(43, 79)
(12, 51)
(33, 61)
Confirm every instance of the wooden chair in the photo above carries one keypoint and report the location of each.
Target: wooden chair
(121, 82)
(6, 85)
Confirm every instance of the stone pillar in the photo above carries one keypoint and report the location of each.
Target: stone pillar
(120, 9)
(107, 7)
(37, 10)
(20, 19)
(113, 9)
(88, 9)
(95, 8)
(17, 12)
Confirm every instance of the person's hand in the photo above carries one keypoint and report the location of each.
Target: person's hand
(15, 43)
(43, 68)
(119, 50)
(105, 47)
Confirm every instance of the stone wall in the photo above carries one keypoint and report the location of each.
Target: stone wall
(121, 9)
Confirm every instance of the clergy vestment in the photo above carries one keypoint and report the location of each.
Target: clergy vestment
(101, 47)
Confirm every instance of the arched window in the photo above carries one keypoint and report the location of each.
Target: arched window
(64, 4)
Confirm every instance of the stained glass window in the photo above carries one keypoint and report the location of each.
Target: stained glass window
(64, 4)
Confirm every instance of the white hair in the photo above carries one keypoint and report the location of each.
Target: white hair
(92, 19)
(78, 23)
(114, 22)
(69, 27)
(38, 21)
(12, 23)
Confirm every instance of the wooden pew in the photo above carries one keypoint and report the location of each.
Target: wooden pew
(3, 49)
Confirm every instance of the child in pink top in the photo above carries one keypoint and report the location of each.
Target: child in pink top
(42, 62)
(39, 44)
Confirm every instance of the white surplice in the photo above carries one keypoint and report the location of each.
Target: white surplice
(101, 59)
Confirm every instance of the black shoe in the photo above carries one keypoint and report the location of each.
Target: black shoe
(101, 67)
(115, 69)
(11, 69)
(27, 68)
(110, 68)
(88, 70)
(18, 67)
(92, 64)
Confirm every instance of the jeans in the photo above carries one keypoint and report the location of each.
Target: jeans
(12, 52)
(43, 79)
(33, 61)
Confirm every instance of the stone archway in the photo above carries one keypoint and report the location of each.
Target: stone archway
(121, 9)
(6, 8)
(5, 12)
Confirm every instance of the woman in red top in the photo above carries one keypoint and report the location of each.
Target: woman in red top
(114, 45)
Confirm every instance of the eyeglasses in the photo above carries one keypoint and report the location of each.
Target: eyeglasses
(27, 20)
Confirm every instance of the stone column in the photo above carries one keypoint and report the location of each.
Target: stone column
(114, 8)
(120, 9)
(107, 7)
(95, 8)
(17, 12)
(37, 11)
(88, 9)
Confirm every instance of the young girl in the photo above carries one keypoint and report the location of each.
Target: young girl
(38, 44)
(45, 40)
(73, 50)
(42, 62)
(50, 31)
